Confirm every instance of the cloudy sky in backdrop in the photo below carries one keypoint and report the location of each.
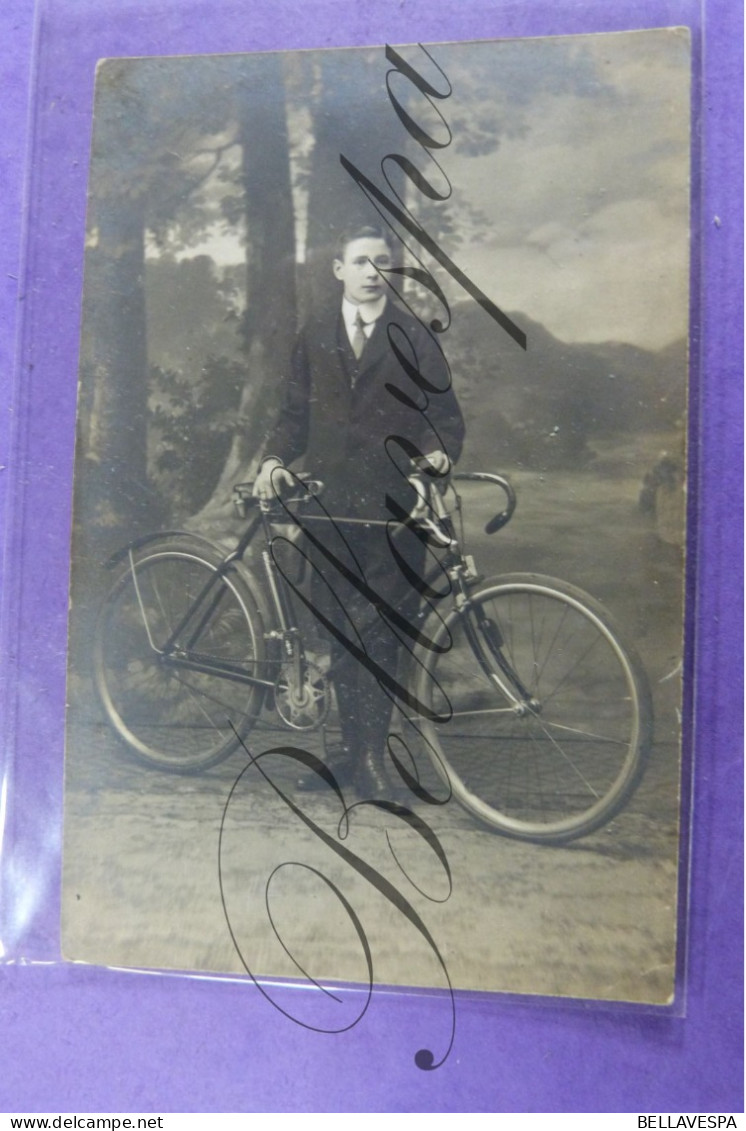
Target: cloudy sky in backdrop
(586, 197)
(589, 207)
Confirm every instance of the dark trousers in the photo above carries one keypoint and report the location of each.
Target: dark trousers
(362, 606)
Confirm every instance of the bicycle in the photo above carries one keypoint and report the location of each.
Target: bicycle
(534, 712)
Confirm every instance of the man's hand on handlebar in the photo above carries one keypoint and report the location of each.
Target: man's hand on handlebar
(273, 479)
(439, 462)
(434, 463)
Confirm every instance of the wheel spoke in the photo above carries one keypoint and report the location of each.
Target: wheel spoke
(548, 696)
(550, 648)
(571, 762)
(588, 734)
(484, 711)
(197, 694)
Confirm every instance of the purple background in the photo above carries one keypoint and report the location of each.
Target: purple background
(76, 1038)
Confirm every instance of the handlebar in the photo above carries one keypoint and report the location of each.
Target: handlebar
(503, 518)
(244, 498)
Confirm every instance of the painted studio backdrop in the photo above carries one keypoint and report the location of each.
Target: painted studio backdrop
(533, 189)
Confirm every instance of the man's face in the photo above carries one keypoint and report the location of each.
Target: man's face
(357, 270)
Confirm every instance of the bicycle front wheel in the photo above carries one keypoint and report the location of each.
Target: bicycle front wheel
(175, 641)
(545, 713)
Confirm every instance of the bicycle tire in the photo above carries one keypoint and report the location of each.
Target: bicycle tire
(565, 767)
(174, 718)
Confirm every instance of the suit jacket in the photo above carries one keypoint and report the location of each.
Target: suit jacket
(342, 414)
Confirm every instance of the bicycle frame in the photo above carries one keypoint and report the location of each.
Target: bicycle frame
(549, 711)
(458, 566)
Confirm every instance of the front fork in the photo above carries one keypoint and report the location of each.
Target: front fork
(486, 641)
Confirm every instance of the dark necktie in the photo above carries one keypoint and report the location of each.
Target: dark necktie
(358, 338)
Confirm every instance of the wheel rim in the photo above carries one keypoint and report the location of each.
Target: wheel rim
(169, 714)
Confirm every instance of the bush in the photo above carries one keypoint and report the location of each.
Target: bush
(190, 428)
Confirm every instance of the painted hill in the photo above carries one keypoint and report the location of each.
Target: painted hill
(546, 405)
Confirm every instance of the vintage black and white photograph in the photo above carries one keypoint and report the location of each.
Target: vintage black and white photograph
(377, 602)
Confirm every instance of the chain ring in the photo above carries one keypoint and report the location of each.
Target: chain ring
(308, 709)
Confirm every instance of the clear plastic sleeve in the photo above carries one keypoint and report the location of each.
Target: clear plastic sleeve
(521, 856)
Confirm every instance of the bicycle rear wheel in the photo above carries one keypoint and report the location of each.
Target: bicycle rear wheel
(176, 706)
(546, 713)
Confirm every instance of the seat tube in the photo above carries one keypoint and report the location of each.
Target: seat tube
(278, 596)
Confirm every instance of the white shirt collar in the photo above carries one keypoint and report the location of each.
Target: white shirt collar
(370, 311)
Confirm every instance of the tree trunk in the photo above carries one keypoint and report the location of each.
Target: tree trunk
(351, 114)
(353, 117)
(113, 473)
(270, 319)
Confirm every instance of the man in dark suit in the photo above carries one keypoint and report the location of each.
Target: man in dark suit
(368, 389)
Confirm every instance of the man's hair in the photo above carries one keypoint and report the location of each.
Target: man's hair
(363, 232)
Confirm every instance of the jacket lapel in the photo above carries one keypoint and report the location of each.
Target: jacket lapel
(335, 372)
(346, 357)
(348, 370)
